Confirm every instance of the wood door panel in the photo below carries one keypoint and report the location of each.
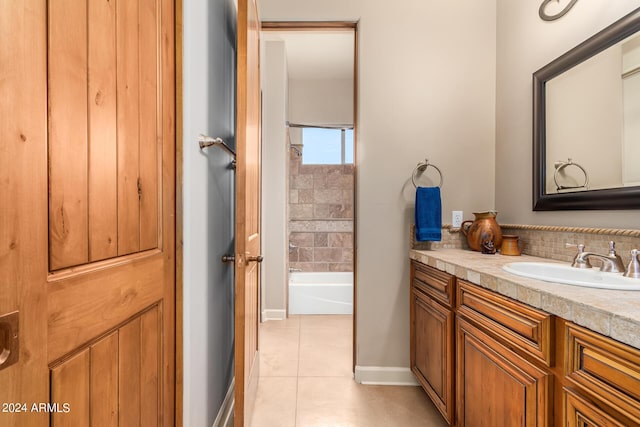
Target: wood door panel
(114, 293)
(68, 168)
(104, 391)
(70, 385)
(103, 207)
(150, 367)
(115, 380)
(149, 142)
(105, 130)
(128, 107)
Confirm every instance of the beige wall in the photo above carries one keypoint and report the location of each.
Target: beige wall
(426, 89)
(525, 43)
(275, 153)
(321, 102)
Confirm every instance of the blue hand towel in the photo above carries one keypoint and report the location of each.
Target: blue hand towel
(428, 214)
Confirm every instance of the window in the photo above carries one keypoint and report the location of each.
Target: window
(323, 146)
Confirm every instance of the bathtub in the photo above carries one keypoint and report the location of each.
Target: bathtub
(320, 293)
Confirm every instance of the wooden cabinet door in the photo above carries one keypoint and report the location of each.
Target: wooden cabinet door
(87, 231)
(496, 387)
(432, 350)
(580, 412)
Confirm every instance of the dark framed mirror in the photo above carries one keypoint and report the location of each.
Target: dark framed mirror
(586, 124)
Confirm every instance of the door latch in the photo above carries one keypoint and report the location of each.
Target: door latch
(9, 339)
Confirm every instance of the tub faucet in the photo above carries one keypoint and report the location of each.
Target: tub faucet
(611, 262)
(292, 270)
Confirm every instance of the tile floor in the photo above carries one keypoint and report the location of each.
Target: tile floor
(306, 381)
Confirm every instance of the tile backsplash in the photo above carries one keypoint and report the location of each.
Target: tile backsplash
(557, 243)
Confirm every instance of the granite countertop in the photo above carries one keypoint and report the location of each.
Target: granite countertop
(613, 313)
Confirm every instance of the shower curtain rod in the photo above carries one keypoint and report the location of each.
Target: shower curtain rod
(300, 125)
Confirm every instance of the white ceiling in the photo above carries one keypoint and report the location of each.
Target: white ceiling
(317, 54)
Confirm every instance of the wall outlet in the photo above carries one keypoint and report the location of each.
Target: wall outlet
(456, 219)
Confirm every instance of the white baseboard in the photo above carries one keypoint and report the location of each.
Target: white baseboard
(274, 315)
(225, 414)
(378, 375)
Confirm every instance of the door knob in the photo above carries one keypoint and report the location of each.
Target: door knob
(256, 258)
(9, 349)
(228, 258)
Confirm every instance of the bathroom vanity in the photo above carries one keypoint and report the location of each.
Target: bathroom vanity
(493, 348)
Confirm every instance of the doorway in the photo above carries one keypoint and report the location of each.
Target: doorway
(309, 172)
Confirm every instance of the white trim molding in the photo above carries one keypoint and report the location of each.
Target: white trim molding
(274, 315)
(380, 375)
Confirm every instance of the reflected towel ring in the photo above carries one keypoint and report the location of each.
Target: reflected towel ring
(560, 165)
(422, 166)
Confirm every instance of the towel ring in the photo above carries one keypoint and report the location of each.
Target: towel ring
(422, 166)
(560, 165)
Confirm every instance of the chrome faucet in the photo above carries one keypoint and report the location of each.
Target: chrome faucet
(611, 262)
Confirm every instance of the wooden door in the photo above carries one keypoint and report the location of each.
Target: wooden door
(247, 209)
(88, 164)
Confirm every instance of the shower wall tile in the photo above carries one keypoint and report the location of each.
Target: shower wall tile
(343, 240)
(341, 267)
(321, 216)
(333, 211)
(304, 196)
(321, 240)
(301, 181)
(305, 255)
(301, 211)
(347, 255)
(327, 196)
(301, 240)
(327, 255)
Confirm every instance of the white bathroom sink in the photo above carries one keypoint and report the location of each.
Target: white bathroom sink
(560, 273)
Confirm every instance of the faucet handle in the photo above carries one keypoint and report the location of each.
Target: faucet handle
(580, 260)
(615, 264)
(633, 269)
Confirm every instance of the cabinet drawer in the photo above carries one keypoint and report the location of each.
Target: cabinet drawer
(433, 282)
(518, 326)
(605, 370)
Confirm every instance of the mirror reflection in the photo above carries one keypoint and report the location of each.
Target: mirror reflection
(593, 122)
